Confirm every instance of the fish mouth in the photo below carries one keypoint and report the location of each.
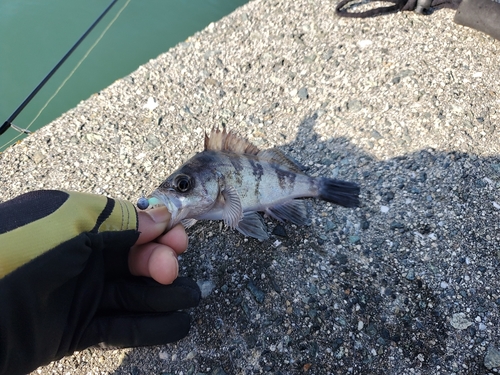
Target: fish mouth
(173, 204)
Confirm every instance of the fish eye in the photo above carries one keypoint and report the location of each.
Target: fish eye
(182, 183)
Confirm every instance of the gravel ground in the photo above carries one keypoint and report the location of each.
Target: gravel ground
(405, 105)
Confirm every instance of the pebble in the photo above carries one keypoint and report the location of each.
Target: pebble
(397, 225)
(258, 293)
(365, 224)
(375, 134)
(218, 371)
(354, 105)
(38, 157)
(206, 287)
(354, 239)
(410, 275)
(492, 358)
(303, 94)
(329, 225)
(152, 142)
(190, 355)
(279, 230)
(341, 258)
(495, 167)
(164, 355)
(151, 104)
(459, 321)
(364, 43)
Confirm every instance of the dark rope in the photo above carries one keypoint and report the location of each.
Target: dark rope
(12, 117)
(368, 13)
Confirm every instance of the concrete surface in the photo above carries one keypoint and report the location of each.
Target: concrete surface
(406, 105)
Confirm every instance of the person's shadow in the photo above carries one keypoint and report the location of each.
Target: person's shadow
(370, 288)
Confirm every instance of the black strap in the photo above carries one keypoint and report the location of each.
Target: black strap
(399, 5)
(369, 13)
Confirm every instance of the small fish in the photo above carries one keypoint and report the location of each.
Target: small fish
(232, 180)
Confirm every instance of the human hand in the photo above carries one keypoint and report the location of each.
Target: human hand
(67, 266)
(155, 254)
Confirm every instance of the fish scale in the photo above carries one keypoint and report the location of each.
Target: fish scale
(260, 183)
(232, 180)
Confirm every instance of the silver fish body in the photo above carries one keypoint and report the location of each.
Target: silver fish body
(232, 180)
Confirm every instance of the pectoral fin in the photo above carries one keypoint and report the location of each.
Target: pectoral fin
(252, 225)
(188, 223)
(232, 212)
(294, 211)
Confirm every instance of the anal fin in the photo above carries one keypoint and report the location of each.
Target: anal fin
(294, 211)
(252, 225)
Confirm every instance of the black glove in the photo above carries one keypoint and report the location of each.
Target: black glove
(65, 283)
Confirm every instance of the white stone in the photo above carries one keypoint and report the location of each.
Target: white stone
(459, 321)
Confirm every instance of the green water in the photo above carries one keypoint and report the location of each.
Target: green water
(35, 34)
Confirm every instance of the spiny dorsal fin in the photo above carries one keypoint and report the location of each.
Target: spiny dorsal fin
(276, 156)
(228, 141)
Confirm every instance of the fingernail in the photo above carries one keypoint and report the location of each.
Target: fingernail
(159, 215)
(176, 263)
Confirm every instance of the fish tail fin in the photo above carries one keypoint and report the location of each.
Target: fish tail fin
(343, 193)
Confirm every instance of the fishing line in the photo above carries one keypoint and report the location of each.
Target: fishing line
(8, 123)
(79, 63)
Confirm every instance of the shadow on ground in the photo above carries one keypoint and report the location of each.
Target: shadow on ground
(374, 290)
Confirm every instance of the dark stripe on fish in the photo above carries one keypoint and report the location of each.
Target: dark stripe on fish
(234, 173)
(257, 169)
(236, 162)
(285, 177)
(201, 160)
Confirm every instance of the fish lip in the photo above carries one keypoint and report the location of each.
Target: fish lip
(173, 204)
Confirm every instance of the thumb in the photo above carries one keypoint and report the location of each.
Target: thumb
(152, 223)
